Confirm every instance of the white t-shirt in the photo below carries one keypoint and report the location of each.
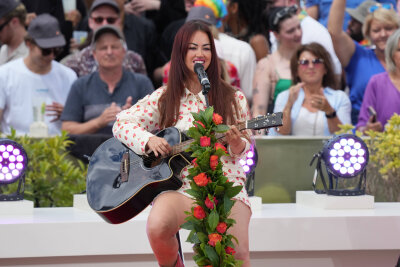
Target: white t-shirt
(313, 31)
(21, 90)
(309, 123)
(243, 57)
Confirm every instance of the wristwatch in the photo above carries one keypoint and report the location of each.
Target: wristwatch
(332, 115)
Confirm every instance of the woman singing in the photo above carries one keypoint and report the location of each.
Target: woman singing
(171, 105)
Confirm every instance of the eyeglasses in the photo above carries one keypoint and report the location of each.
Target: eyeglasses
(110, 20)
(375, 7)
(284, 12)
(5, 24)
(306, 62)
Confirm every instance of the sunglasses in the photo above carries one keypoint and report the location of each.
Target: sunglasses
(290, 10)
(375, 7)
(306, 62)
(4, 24)
(55, 50)
(110, 20)
(47, 51)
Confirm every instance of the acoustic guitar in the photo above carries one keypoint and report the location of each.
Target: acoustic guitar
(120, 184)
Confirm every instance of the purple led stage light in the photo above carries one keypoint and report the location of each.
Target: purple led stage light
(345, 156)
(250, 162)
(13, 161)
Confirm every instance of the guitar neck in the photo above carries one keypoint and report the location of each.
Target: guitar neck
(221, 137)
(261, 122)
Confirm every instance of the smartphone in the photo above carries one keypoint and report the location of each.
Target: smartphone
(372, 113)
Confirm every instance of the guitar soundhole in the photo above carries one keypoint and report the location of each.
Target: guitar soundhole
(151, 161)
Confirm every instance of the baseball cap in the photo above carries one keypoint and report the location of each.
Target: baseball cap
(202, 13)
(361, 11)
(110, 3)
(45, 31)
(6, 6)
(107, 29)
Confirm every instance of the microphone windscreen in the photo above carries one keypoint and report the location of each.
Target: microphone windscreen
(197, 67)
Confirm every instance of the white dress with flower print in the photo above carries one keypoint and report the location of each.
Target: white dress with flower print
(133, 127)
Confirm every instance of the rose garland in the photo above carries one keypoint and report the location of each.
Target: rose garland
(212, 193)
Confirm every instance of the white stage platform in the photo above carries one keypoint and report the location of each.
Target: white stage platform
(280, 235)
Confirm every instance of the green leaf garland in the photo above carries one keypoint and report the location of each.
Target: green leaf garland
(212, 193)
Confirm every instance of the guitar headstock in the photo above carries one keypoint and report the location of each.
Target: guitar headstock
(266, 121)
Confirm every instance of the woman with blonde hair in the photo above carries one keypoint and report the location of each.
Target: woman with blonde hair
(382, 96)
(361, 63)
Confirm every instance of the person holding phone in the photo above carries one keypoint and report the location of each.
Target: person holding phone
(382, 95)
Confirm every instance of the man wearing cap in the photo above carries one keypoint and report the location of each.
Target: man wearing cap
(32, 85)
(319, 9)
(95, 99)
(102, 12)
(357, 18)
(12, 30)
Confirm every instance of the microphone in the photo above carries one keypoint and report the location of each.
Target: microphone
(203, 78)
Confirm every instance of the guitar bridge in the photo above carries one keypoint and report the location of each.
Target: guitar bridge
(124, 168)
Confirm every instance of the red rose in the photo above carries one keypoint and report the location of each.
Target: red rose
(194, 162)
(213, 239)
(213, 162)
(201, 179)
(199, 212)
(220, 146)
(209, 204)
(221, 227)
(205, 141)
(217, 119)
(199, 122)
(230, 250)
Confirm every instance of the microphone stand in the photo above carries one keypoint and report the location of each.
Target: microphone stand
(206, 87)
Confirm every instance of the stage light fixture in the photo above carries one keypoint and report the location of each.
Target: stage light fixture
(249, 165)
(13, 162)
(344, 156)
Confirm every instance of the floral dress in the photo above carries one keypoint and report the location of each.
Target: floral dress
(133, 127)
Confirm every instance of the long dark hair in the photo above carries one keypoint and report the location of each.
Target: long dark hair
(320, 52)
(221, 95)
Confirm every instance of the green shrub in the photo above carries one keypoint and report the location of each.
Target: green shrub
(52, 176)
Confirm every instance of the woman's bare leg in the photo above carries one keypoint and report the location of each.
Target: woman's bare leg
(241, 213)
(166, 215)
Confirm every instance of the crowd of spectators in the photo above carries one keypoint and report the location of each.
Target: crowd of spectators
(75, 64)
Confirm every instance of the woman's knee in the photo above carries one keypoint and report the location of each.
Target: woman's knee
(160, 228)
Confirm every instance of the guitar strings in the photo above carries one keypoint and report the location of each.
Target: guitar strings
(175, 149)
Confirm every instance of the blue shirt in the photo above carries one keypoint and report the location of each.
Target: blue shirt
(89, 96)
(363, 64)
(324, 7)
(338, 100)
